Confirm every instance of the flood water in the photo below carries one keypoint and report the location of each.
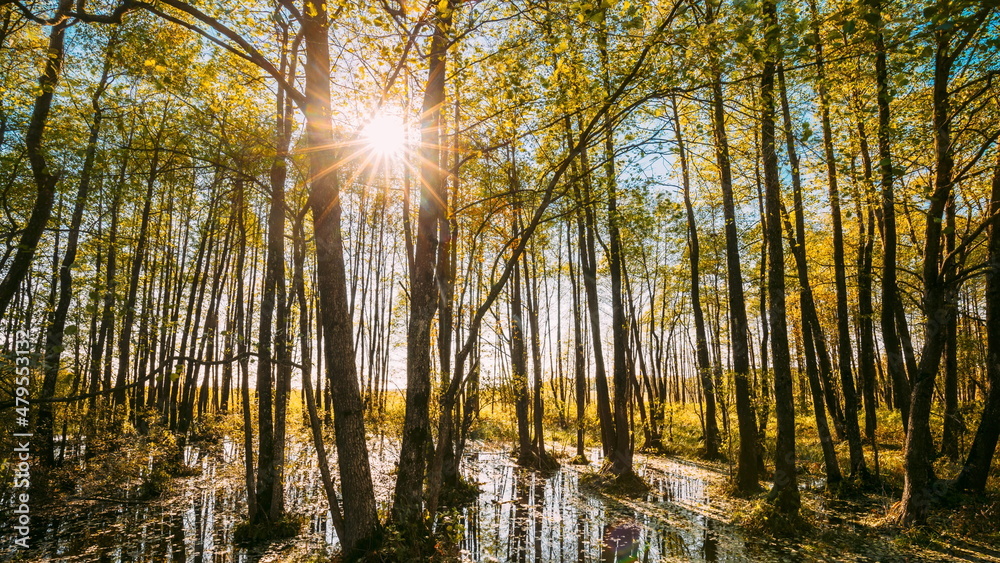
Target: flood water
(520, 516)
(524, 516)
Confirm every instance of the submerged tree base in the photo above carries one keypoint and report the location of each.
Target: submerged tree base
(532, 460)
(628, 484)
(287, 526)
(462, 492)
(763, 517)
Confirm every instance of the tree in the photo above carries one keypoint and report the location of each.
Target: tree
(701, 342)
(746, 473)
(938, 284)
(785, 491)
(45, 178)
(977, 465)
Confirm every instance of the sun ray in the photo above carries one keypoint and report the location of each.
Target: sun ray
(385, 135)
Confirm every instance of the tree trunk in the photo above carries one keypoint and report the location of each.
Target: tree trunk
(952, 418)
(746, 472)
(785, 491)
(622, 452)
(977, 465)
(807, 306)
(315, 424)
(239, 322)
(408, 497)
(55, 332)
(712, 440)
(362, 529)
(138, 256)
(890, 338)
(866, 312)
(588, 265)
(940, 293)
(537, 407)
(45, 179)
(858, 467)
(579, 357)
(519, 370)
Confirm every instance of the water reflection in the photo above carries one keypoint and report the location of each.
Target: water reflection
(520, 516)
(528, 517)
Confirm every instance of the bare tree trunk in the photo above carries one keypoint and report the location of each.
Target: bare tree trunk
(621, 459)
(953, 425)
(940, 289)
(57, 326)
(139, 254)
(807, 307)
(579, 357)
(315, 424)
(890, 338)
(538, 409)
(588, 266)
(519, 370)
(239, 321)
(866, 315)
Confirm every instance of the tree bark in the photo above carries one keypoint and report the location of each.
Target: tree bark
(588, 266)
(579, 357)
(858, 467)
(785, 491)
(866, 312)
(57, 326)
(138, 256)
(977, 465)
(408, 496)
(363, 529)
(746, 472)
(701, 341)
(952, 418)
(45, 179)
(890, 338)
(940, 290)
(807, 306)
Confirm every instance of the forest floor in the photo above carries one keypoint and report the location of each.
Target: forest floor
(519, 516)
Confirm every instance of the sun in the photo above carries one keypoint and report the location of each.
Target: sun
(384, 135)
